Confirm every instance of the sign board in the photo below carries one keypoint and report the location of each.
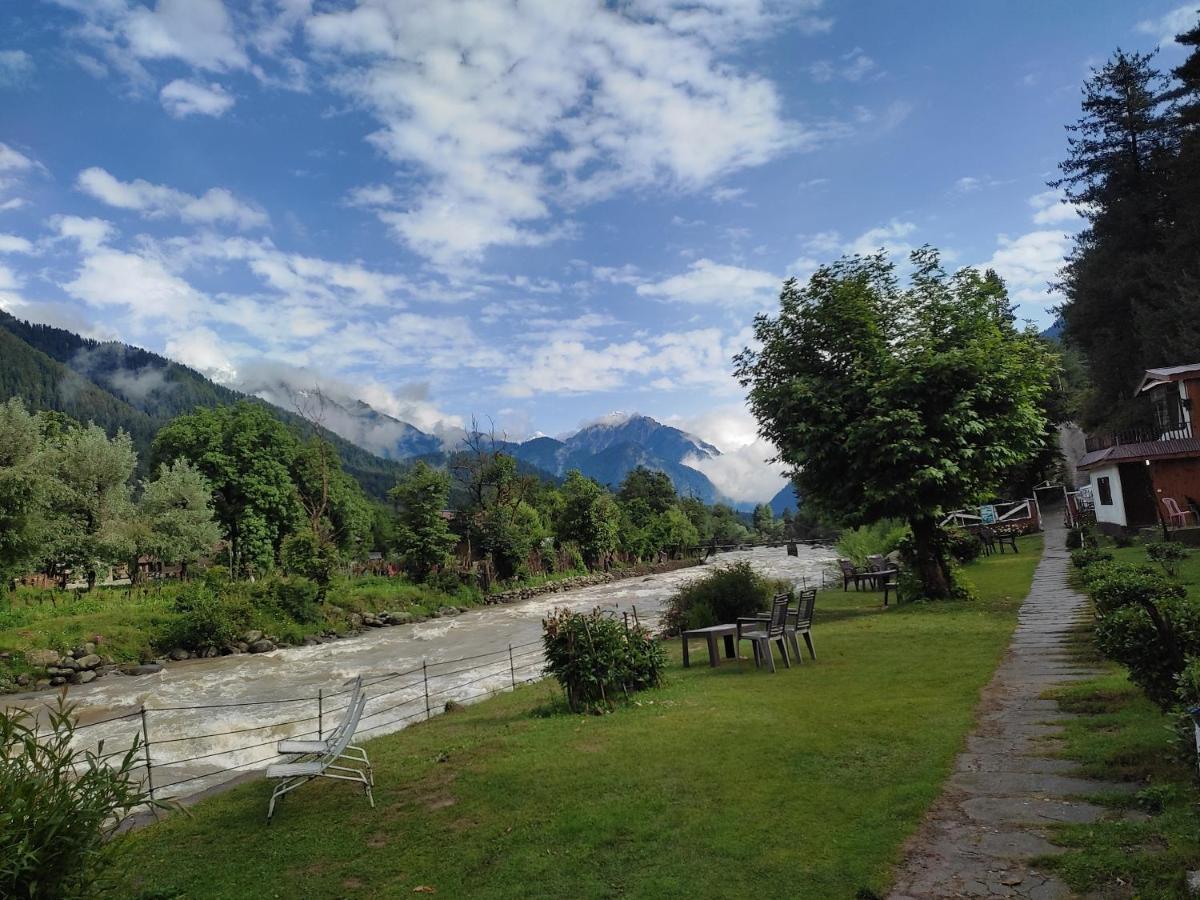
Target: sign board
(987, 514)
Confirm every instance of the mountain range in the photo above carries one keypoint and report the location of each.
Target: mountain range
(120, 386)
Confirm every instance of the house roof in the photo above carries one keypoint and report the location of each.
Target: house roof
(1155, 377)
(1170, 449)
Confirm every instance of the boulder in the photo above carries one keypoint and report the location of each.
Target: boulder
(251, 636)
(90, 661)
(42, 657)
(242, 647)
(24, 680)
(372, 621)
(141, 669)
(89, 647)
(262, 646)
(210, 653)
(42, 683)
(400, 618)
(83, 677)
(447, 611)
(57, 680)
(52, 671)
(179, 654)
(311, 641)
(68, 663)
(354, 620)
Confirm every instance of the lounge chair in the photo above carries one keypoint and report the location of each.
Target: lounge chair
(325, 765)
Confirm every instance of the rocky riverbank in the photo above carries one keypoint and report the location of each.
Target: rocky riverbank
(87, 662)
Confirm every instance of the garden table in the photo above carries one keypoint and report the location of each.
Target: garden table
(710, 634)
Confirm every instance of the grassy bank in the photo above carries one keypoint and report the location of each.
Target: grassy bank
(726, 782)
(1119, 735)
(138, 624)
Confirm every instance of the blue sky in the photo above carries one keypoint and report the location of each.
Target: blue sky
(535, 212)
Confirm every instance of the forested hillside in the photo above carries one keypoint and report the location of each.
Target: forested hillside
(118, 386)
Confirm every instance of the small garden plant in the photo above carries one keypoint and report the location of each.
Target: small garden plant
(59, 807)
(599, 659)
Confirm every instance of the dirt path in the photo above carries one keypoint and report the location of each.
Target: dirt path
(1005, 788)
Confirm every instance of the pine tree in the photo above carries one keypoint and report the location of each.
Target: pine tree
(1119, 151)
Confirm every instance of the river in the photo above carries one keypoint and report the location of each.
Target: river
(209, 720)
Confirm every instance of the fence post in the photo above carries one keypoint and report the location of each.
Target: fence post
(320, 714)
(146, 752)
(425, 675)
(511, 668)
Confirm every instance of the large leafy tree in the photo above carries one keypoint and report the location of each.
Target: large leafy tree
(24, 486)
(589, 517)
(422, 532)
(891, 402)
(247, 456)
(173, 519)
(649, 486)
(91, 498)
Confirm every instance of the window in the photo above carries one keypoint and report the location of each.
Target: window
(1105, 490)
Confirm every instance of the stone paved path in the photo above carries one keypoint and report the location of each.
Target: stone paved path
(979, 836)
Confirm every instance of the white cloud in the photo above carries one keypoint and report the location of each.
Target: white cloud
(891, 237)
(183, 98)
(8, 279)
(725, 194)
(157, 200)
(1029, 263)
(200, 348)
(139, 283)
(968, 184)
(13, 160)
(472, 96)
(744, 474)
(199, 33)
(853, 66)
(90, 233)
(1052, 208)
(16, 67)
(12, 243)
(710, 282)
(1166, 27)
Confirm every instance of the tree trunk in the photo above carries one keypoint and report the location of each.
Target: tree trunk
(930, 568)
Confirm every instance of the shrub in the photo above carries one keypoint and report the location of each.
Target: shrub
(1087, 556)
(721, 596)
(877, 539)
(963, 546)
(1167, 554)
(1153, 641)
(1120, 585)
(58, 806)
(1123, 539)
(596, 658)
(206, 619)
(294, 598)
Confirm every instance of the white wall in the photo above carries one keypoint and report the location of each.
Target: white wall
(1116, 512)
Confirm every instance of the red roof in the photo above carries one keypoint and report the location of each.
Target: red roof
(1176, 447)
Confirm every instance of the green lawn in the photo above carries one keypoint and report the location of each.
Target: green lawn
(724, 783)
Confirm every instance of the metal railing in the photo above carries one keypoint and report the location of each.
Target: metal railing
(394, 700)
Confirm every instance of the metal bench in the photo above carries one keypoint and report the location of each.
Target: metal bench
(325, 765)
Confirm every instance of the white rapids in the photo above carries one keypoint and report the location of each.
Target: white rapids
(209, 720)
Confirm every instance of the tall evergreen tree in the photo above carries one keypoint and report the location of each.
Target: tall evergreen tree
(1118, 152)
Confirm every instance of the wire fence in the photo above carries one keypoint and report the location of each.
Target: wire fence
(173, 765)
